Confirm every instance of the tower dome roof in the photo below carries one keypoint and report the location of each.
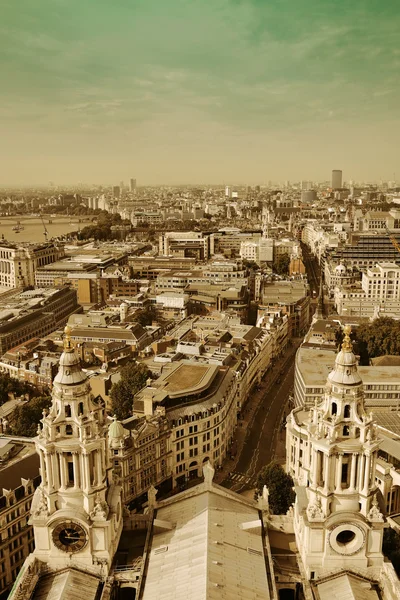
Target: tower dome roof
(70, 371)
(115, 429)
(345, 371)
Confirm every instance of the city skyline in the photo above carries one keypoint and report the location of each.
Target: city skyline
(188, 92)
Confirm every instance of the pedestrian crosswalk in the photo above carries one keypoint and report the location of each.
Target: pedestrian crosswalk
(242, 478)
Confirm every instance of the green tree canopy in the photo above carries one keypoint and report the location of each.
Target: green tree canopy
(10, 385)
(280, 487)
(378, 338)
(281, 264)
(25, 418)
(391, 547)
(147, 315)
(133, 378)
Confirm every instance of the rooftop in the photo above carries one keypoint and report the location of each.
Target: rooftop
(186, 377)
(195, 533)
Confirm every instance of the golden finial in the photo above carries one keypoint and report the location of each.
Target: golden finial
(347, 345)
(67, 339)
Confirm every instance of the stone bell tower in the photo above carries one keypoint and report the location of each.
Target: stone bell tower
(337, 519)
(76, 511)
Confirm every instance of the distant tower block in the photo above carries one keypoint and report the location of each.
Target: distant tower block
(123, 312)
(132, 185)
(228, 192)
(336, 179)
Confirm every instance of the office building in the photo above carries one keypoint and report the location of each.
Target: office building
(19, 262)
(132, 185)
(336, 179)
(19, 477)
(34, 313)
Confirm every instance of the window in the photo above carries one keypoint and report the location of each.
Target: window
(347, 411)
(67, 410)
(70, 473)
(345, 470)
(334, 408)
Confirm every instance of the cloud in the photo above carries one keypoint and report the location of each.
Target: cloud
(157, 71)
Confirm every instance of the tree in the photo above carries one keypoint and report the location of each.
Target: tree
(280, 487)
(281, 264)
(9, 385)
(378, 338)
(391, 547)
(147, 315)
(25, 418)
(133, 378)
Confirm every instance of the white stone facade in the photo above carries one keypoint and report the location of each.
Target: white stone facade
(331, 454)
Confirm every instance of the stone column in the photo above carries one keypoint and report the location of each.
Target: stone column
(360, 478)
(99, 467)
(353, 471)
(62, 471)
(56, 470)
(367, 474)
(315, 467)
(84, 484)
(339, 473)
(48, 470)
(43, 472)
(77, 478)
(87, 471)
(327, 472)
(373, 469)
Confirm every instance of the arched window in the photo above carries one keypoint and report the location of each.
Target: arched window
(68, 430)
(80, 408)
(347, 411)
(346, 430)
(67, 410)
(334, 408)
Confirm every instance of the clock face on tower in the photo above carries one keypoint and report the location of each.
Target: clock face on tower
(69, 536)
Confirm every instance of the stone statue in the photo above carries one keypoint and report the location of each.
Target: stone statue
(42, 508)
(314, 511)
(374, 513)
(208, 473)
(151, 496)
(100, 510)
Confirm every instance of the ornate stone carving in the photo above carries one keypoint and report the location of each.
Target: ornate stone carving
(100, 510)
(151, 496)
(42, 508)
(374, 513)
(315, 511)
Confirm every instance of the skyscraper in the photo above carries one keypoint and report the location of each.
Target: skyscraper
(336, 179)
(132, 185)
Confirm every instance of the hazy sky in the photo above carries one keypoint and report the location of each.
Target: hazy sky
(198, 90)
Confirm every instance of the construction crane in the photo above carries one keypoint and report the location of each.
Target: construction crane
(395, 243)
(45, 233)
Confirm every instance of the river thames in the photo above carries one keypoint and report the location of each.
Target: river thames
(33, 230)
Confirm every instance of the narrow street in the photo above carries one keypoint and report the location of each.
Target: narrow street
(265, 430)
(312, 268)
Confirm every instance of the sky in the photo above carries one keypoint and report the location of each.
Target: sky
(198, 91)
